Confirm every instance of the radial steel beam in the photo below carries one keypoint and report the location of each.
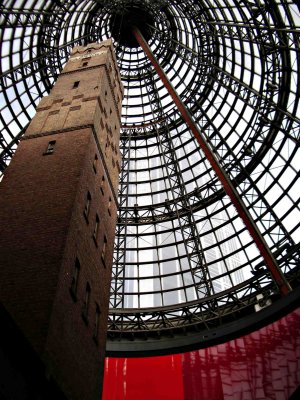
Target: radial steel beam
(244, 214)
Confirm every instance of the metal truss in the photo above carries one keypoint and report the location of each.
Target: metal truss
(186, 221)
(119, 257)
(183, 263)
(203, 314)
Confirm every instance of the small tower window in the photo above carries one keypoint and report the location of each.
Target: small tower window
(96, 229)
(50, 147)
(104, 248)
(74, 283)
(76, 84)
(109, 206)
(95, 163)
(97, 320)
(87, 205)
(102, 185)
(86, 303)
(85, 64)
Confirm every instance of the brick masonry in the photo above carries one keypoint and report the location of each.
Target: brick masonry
(48, 223)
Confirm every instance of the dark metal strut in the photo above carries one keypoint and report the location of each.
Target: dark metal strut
(244, 214)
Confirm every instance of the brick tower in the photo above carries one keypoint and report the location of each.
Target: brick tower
(58, 208)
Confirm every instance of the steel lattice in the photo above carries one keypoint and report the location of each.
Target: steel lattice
(184, 264)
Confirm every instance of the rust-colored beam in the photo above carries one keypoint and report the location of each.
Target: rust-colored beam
(244, 214)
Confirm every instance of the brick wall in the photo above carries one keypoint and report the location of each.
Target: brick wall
(58, 210)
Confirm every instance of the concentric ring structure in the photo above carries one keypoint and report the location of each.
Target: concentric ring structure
(186, 271)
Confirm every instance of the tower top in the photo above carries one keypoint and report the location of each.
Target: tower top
(96, 55)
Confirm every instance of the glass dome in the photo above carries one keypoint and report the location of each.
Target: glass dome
(185, 267)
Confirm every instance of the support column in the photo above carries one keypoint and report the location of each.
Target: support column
(244, 214)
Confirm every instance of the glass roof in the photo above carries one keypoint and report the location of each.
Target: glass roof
(183, 259)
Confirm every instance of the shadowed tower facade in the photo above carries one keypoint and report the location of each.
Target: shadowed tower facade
(58, 212)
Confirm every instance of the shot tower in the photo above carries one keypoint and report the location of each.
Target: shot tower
(57, 213)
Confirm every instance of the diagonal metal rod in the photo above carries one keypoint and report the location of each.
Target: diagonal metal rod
(244, 214)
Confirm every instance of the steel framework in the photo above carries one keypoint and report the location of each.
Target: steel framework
(185, 265)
